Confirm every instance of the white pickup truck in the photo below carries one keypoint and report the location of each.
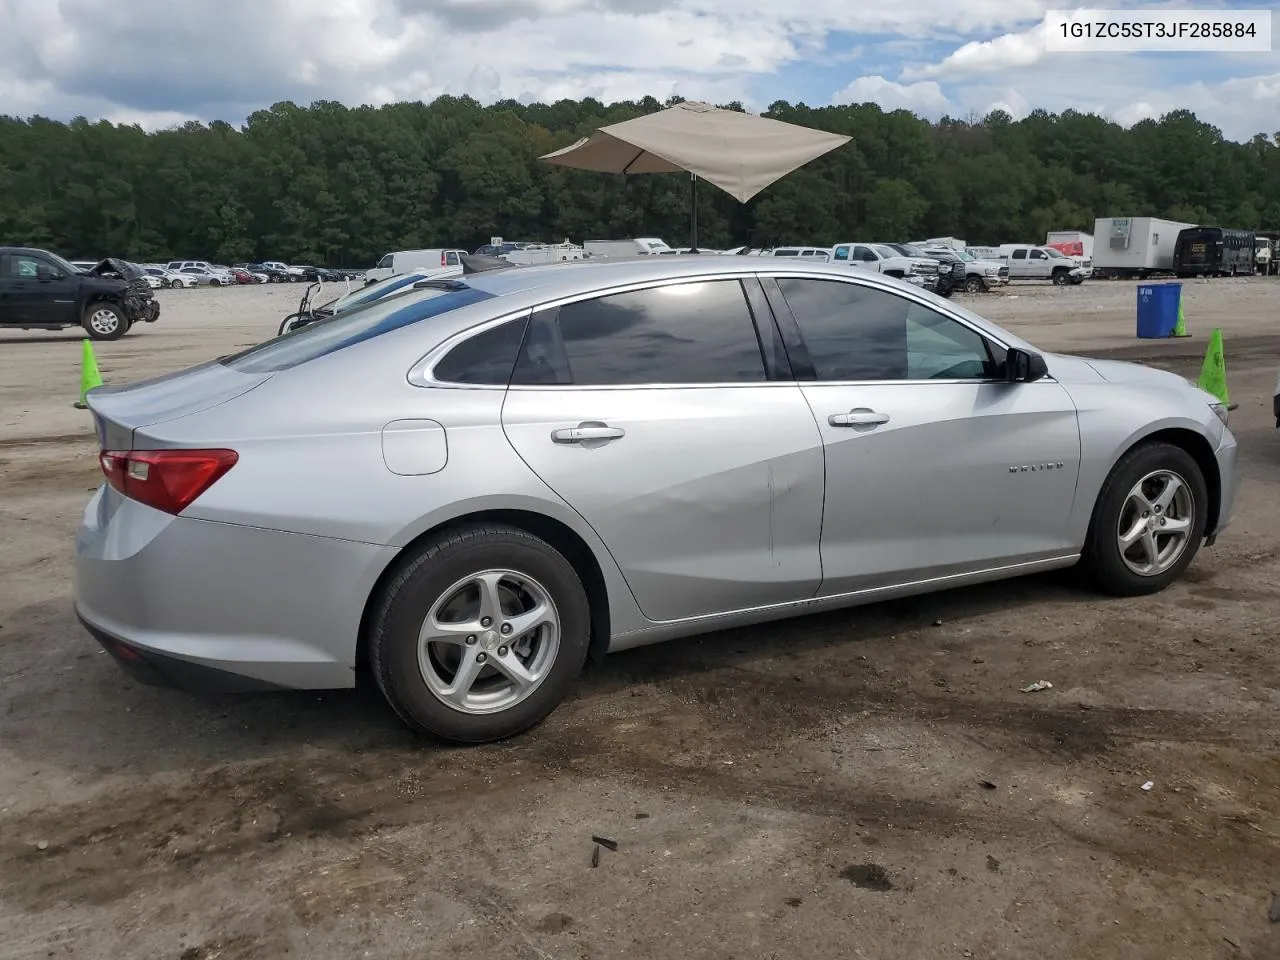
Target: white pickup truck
(922, 271)
(1027, 262)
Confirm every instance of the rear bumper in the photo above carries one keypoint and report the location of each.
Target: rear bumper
(158, 670)
(205, 605)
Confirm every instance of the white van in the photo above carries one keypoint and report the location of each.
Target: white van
(435, 262)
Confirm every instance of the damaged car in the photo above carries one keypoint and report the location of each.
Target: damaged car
(39, 290)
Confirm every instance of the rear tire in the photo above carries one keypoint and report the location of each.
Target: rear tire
(104, 321)
(1129, 501)
(439, 584)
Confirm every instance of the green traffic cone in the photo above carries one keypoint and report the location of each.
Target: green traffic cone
(1213, 374)
(1180, 328)
(89, 375)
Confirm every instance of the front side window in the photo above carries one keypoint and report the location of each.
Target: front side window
(686, 333)
(1038, 255)
(24, 267)
(857, 333)
(383, 264)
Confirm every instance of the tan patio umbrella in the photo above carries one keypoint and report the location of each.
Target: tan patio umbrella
(738, 152)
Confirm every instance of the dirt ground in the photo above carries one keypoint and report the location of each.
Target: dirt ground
(863, 784)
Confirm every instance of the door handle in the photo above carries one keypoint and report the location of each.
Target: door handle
(587, 431)
(861, 417)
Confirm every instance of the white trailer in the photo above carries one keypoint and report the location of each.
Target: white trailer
(618, 249)
(1134, 246)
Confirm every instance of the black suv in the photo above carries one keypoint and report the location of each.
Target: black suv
(41, 291)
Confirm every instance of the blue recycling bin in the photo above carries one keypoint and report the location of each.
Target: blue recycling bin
(1158, 309)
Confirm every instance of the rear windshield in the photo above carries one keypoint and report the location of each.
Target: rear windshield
(351, 327)
(374, 291)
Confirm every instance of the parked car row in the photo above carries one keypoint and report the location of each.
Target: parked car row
(202, 273)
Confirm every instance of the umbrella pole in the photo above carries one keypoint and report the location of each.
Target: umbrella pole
(693, 213)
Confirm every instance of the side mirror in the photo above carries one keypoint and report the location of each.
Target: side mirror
(1022, 366)
(45, 273)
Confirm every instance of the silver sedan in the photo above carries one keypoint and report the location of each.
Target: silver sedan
(470, 490)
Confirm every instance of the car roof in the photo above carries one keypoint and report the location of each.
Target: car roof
(523, 287)
(29, 250)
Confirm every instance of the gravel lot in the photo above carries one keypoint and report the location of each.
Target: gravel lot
(806, 789)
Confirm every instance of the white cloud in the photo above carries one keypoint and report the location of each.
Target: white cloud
(924, 98)
(228, 59)
(1012, 102)
(1010, 51)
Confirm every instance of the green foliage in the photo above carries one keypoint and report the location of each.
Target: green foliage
(341, 186)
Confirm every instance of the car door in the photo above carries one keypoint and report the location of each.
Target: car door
(863, 256)
(935, 465)
(659, 417)
(1038, 264)
(1019, 266)
(39, 291)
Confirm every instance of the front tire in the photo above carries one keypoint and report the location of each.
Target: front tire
(105, 321)
(974, 285)
(480, 634)
(1060, 277)
(1148, 521)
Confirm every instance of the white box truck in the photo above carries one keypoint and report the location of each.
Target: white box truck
(618, 249)
(1127, 247)
(1074, 243)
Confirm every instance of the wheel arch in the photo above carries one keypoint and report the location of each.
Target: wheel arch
(102, 296)
(1200, 450)
(555, 532)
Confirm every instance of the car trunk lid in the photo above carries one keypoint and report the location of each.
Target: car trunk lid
(119, 412)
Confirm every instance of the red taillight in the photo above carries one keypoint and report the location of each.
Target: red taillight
(442, 263)
(168, 480)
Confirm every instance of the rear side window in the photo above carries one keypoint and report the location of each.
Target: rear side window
(351, 327)
(688, 333)
(486, 358)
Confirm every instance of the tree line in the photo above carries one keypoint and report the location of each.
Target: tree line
(340, 186)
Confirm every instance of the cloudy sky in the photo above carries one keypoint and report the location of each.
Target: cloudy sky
(160, 62)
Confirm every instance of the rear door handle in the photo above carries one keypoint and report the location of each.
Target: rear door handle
(861, 417)
(587, 431)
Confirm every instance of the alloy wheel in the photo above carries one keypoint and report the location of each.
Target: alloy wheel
(1155, 523)
(489, 641)
(104, 322)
